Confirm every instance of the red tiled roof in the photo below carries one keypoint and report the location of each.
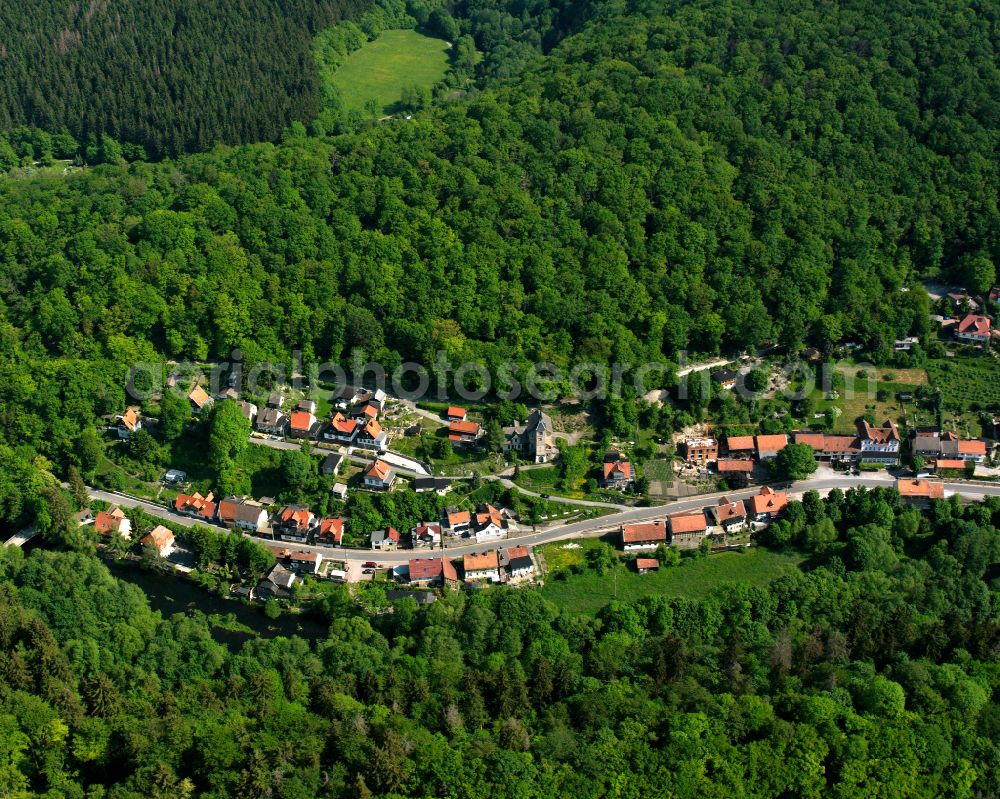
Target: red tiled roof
(480, 561)
(624, 466)
(302, 420)
(305, 557)
(198, 396)
(815, 440)
(105, 522)
(130, 418)
(297, 516)
(425, 568)
(974, 323)
(972, 447)
(688, 523)
(379, 469)
(159, 537)
(647, 563)
(772, 443)
(734, 466)
(731, 510)
(946, 463)
(463, 428)
(454, 412)
(651, 531)
(517, 552)
(342, 424)
(373, 429)
(739, 442)
(768, 501)
(920, 488)
(458, 518)
(332, 528)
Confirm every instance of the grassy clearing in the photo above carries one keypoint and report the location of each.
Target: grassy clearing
(380, 69)
(864, 397)
(588, 592)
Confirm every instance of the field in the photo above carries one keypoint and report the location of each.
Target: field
(381, 68)
(693, 578)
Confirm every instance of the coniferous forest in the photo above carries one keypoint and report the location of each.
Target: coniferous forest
(170, 76)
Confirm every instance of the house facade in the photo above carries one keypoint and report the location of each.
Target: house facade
(879, 445)
(379, 476)
(481, 566)
(533, 439)
(974, 328)
(293, 523)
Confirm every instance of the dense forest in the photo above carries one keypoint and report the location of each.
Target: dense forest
(169, 76)
(872, 673)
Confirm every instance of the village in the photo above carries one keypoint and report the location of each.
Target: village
(365, 432)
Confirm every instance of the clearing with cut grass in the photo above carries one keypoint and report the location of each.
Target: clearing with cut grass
(693, 578)
(383, 68)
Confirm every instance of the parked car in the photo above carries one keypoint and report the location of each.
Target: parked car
(370, 564)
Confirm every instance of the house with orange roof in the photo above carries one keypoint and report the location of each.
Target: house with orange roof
(372, 436)
(432, 572)
(301, 423)
(160, 539)
(517, 562)
(113, 520)
(481, 566)
(647, 535)
(769, 446)
(342, 429)
(199, 399)
(196, 505)
(129, 422)
(919, 493)
(293, 523)
(951, 464)
(453, 413)
(646, 565)
(730, 516)
(831, 448)
(687, 530)
(768, 504)
(736, 472)
(379, 476)
(457, 522)
(974, 328)
(464, 432)
(490, 524)
(617, 474)
(330, 531)
(740, 446)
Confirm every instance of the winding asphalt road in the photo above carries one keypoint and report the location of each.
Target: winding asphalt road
(580, 529)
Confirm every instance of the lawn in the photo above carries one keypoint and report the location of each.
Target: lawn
(381, 68)
(861, 395)
(694, 578)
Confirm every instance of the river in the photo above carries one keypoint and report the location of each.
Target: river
(169, 594)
